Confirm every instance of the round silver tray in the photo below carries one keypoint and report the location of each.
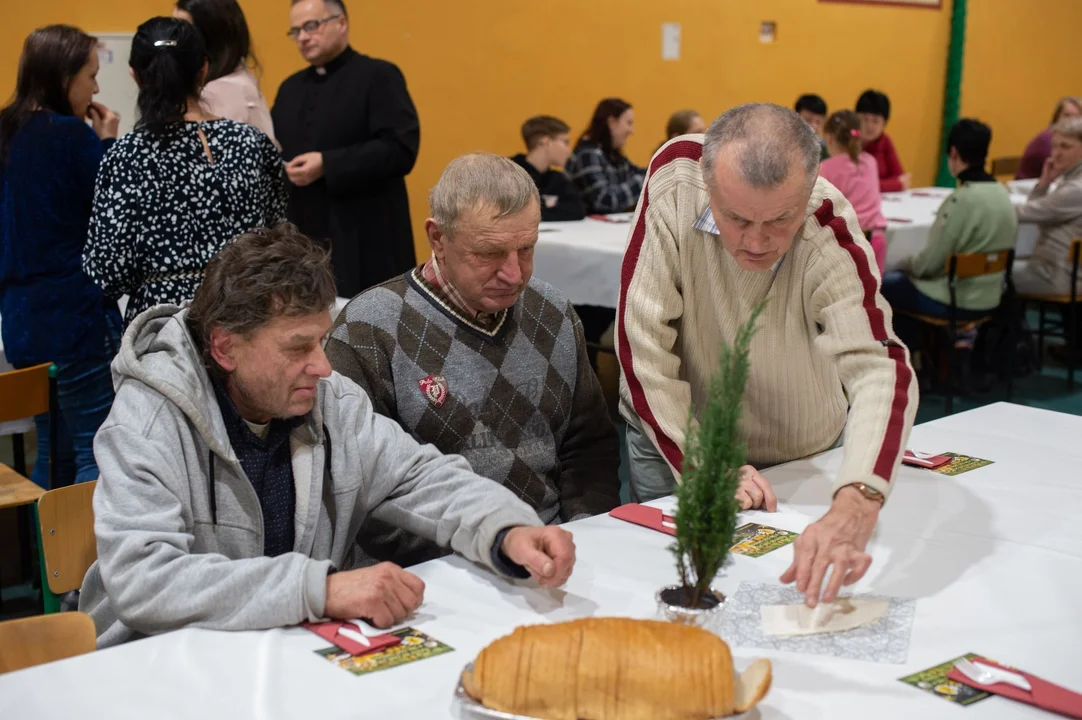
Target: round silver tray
(473, 709)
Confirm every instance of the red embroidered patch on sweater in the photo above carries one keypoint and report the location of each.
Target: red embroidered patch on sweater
(435, 389)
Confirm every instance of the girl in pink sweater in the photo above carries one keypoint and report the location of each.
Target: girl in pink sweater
(856, 174)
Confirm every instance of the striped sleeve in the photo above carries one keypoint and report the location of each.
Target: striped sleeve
(872, 363)
(650, 305)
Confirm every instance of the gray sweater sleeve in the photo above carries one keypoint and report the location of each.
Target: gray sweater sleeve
(435, 496)
(155, 583)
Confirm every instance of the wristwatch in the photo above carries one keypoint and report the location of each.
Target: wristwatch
(866, 490)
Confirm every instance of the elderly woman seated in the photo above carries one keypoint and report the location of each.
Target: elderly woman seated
(1055, 204)
(1039, 148)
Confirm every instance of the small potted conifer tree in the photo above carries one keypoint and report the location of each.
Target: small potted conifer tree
(706, 513)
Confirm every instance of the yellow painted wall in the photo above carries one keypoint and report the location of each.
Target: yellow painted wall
(1021, 57)
(477, 68)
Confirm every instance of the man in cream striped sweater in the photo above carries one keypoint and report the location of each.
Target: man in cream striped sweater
(726, 220)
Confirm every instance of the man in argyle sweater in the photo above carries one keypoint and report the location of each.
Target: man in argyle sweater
(470, 354)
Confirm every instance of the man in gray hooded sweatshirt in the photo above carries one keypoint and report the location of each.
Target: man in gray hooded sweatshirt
(237, 468)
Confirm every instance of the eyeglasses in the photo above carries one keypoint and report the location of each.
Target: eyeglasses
(310, 27)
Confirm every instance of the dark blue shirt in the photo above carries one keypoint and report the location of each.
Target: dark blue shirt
(52, 312)
(268, 464)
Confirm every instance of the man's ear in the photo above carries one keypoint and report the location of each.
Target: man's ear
(436, 239)
(223, 348)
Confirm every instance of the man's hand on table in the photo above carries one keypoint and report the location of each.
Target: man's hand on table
(755, 492)
(385, 594)
(839, 539)
(548, 553)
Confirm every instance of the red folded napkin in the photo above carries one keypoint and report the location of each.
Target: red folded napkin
(608, 218)
(900, 220)
(1045, 695)
(329, 631)
(646, 516)
(926, 462)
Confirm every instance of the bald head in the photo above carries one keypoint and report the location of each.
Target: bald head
(765, 142)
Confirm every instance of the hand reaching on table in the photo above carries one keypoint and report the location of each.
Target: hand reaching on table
(548, 553)
(839, 539)
(755, 492)
(385, 594)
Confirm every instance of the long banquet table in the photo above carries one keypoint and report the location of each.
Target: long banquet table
(993, 557)
(582, 259)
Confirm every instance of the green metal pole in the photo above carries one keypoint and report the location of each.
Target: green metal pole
(952, 97)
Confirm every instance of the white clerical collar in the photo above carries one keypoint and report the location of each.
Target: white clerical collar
(321, 70)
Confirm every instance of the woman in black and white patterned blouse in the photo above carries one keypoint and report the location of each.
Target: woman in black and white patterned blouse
(174, 191)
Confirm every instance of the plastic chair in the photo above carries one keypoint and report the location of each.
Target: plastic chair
(67, 541)
(1066, 327)
(45, 638)
(961, 267)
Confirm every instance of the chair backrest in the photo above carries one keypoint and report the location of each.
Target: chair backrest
(969, 265)
(25, 393)
(1006, 166)
(44, 638)
(68, 544)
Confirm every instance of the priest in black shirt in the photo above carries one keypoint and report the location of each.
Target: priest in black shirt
(349, 135)
(548, 145)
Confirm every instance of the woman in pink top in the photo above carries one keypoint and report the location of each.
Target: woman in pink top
(856, 174)
(231, 91)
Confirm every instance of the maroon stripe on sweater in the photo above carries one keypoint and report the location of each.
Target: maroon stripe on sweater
(890, 449)
(687, 150)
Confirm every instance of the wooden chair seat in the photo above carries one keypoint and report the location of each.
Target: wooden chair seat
(45, 638)
(16, 490)
(1046, 298)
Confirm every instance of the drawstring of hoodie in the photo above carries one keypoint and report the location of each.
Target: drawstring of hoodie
(210, 475)
(212, 492)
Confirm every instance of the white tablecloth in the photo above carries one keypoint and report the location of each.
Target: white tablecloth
(582, 259)
(993, 557)
(910, 216)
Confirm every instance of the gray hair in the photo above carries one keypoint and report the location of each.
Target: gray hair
(480, 180)
(1069, 127)
(768, 138)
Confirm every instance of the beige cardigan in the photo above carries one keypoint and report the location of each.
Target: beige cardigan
(237, 97)
(1058, 215)
(825, 359)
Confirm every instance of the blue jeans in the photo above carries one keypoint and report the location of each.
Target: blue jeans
(903, 295)
(84, 396)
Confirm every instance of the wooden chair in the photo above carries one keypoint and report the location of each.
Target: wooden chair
(45, 638)
(1006, 166)
(67, 541)
(1068, 304)
(27, 392)
(961, 267)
